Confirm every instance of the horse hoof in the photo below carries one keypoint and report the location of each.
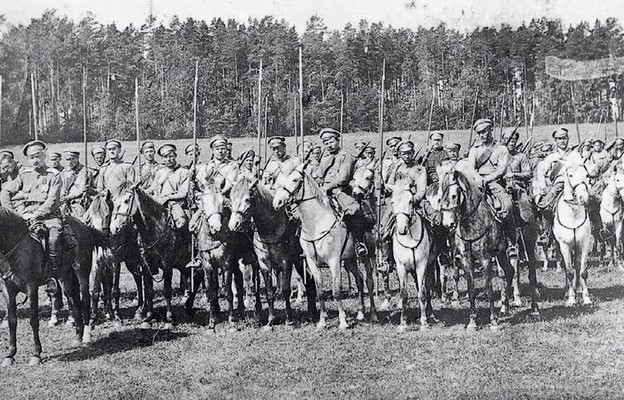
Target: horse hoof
(587, 301)
(146, 325)
(517, 302)
(34, 361)
(71, 323)
(52, 323)
(86, 336)
(374, 318)
(117, 323)
(298, 302)
(135, 303)
(343, 326)
(471, 327)
(360, 316)
(137, 316)
(233, 329)
(570, 303)
(210, 331)
(5, 324)
(494, 327)
(402, 328)
(76, 343)
(321, 326)
(168, 326)
(267, 328)
(424, 327)
(544, 269)
(7, 362)
(503, 310)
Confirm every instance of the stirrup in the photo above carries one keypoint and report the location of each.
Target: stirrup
(512, 252)
(604, 235)
(52, 286)
(542, 240)
(361, 249)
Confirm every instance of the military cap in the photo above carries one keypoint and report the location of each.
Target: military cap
(276, 141)
(147, 145)
(560, 133)
(509, 134)
(315, 146)
(453, 147)
(34, 147)
(614, 142)
(307, 145)
(329, 132)
(369, 148)
(393, 141)
(359, 145)
(112, 143)
(436, 135)
(546, 147)
(165, 149)
(71, 153)
(188, 149)
(218, 140)
(97, 150)
(246, 154)
(482, 124)
(406, 146)
(8, 153)
(54, 155)
(598, 141)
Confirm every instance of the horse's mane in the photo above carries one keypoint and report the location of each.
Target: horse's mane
(99, 205)
(123, 187)
(149, 204)
(265, 197)
(316, 190)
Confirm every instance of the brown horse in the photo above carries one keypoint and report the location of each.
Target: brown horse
(478, 236)
(275, 242)
(162, 247)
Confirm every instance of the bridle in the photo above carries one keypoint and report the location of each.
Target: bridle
(291, 193)
(573, 188)
(460, 201)
(127, 214)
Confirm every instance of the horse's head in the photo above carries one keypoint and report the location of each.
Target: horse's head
(241, 198)
(363, 179)
(98, 215)
(402, 205)
(125, 207)
(287, 185)
(576, 178)
(450, 197)
(212, 207)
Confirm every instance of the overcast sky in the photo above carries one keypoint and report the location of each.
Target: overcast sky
(460, 14)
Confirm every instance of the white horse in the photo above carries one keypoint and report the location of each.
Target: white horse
(411, 245)
(612, 212)
(572, 227)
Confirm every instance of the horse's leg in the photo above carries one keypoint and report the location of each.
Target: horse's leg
(141, 309)
(488, 268)
(256, 283)
(352, 267)
(568, 266)
(267, 275)
(82, 277)
(107, 289)
(508, 281)
(168, 294)
(310, 285)
(240, 295)
(10, 294)
(469, 272)
(95, 280)
(286, 276)
(54, 306)
(370, 285)
(229, 295)
(456, 276)
(212, 289)
(513, 260)
(402, 275)
(318, 279)
(33, 297)
(116, 292)
(529, 242)
(334, 268)
(583, 273)
(71, 288)
(424, 297)
(148, 298)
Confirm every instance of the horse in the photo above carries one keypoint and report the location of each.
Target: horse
(162, 247)
(275, 242)
(412, 245)
(324, 237)
(217, 246)
(572, 227)
(106, 271)
(612, 213)
(478, 237)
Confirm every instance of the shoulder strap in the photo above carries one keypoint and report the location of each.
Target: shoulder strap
(484, 158)
(329, 166)
(556, 168)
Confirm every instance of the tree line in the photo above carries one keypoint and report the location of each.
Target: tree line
(435, 77)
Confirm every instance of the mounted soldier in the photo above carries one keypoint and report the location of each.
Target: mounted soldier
(616, 150)
(390, 165)
(248, 164)
(452, 153)
(434, 157)
(170, 186)
(150, 165)
(315, 155)
(9, 168)
(489, 159)
(600, 158)
(99, 156)
(333, 176)
(76, 181)
(219, 167)
(274, 167)
(518, 177)
(55, 161)
(35, 195)
(189, 152)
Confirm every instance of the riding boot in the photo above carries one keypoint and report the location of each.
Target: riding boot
(593, 211)
(544, 238)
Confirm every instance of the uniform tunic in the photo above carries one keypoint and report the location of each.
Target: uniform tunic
(491, 161)
(75, 182)
(436, 156)
(334, 174)
(170, 187)
(148, 171)
(273, 169)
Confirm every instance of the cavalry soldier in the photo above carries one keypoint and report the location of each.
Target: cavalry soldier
(115, 172)
(518, 177)
(389, 165)
(586, 149)
(247, 164)
(366, 157)
(75, 182)
(170, 186)
(9, 168)
(273, 169)
(333, 175)
(616, 148)
(219, 164)
(434, 157)
(490, 159)
(410, 170)
(315, 155)
(189, 152)
(229, 150)
(600, 158)
(35, 196)
(150, 165)
(452, 153)
(99, 156)
(55, 161)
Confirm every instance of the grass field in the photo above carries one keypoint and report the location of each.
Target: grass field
(573, 353)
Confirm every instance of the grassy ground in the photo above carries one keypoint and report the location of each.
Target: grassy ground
(540, 133)
(573, 353)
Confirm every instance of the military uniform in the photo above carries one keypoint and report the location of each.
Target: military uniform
(274, 169)
(490, 161)
(170, 187)
(113, 174)
(11, 176)
(148, 172)
(75, 183)
(35, 194)
(333, 175)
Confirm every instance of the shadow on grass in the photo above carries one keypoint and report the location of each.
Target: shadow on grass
(117, 342)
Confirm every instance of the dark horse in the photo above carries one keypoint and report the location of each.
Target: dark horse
(478, 236)
(163, 247)
(275, 242)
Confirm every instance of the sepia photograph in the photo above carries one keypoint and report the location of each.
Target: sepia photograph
(341, 199)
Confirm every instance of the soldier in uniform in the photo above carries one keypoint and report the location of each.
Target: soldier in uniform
(389, 165)
(116, 172)
(616, 149)
(490, 159)
(247, 163)
(9, 168)
(35, 196)
(223, 168)
(99, 156)
(273, 169)
(600, 158)
(170, 186)
(315, 154)
(586, 149)
(411, 171)
(189, 152)
(150, 165)
(75, 183)
(434, 157)
(333, 176)
(55, 161)
(452, 153)
(518, 177)
(229, 151)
